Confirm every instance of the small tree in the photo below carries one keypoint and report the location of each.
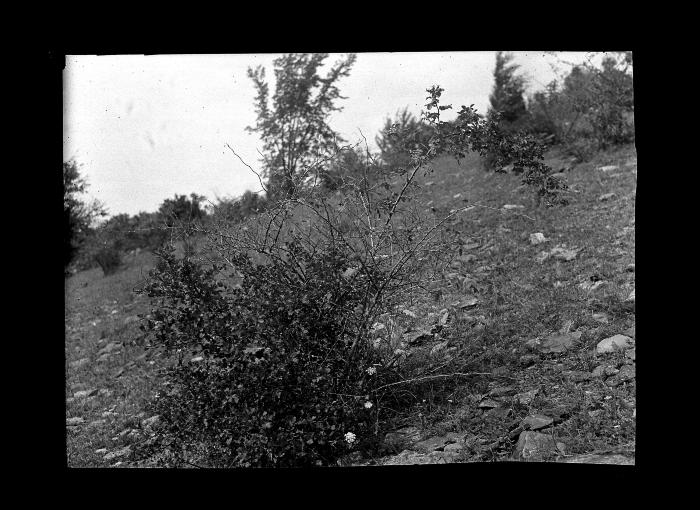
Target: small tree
(294, 126)
(78, 215)
(507, 101)
(399, 137)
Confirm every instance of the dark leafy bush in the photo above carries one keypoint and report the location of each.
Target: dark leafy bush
(283, 377)
(399, 137)
(109, 259)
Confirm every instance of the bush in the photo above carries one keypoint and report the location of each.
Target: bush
(283, 379)
(399, 137)
(109, 259)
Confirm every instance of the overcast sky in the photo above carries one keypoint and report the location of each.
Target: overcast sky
(144, 128)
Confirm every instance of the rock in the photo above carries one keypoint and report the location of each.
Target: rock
(79, 363)
(534, 446)
(104, 392)
(454, 447)
(118, 453)
(499, 412)
(601, 317)
(76, 420)
(487, 404)
(197, 359)
(630, 268)
(100, 451)
(526, 397)
(630, 298)
(499, 371)
(470, 302)
(513, 206)
(577, 375)
(631, 354)
(439, 347)
(592, 458)
(437, 443)
(563, 254)
(541, 256)
(630, 332)
(627, 373)
(606, 197)
(634, 414)
(410, 314)
(595, 413)
(558, 342)
(110, 347)
(408, 457)
(97, 423)
(150, 422)
(608, 168)
(592, 287)
(502, 391)
(415, 337)
(537, 238)
(599, 371)
(536, 421)
(613, 343)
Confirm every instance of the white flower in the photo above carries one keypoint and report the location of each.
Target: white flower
(350, 437)
(368, 404)
(371, 370)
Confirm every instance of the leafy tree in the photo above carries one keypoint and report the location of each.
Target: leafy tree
(507, 101)
(78, 215)
(293, 124)
(238, 209)
(399, 136)
(182, 209)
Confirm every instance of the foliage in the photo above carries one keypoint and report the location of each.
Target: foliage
(182, 209)
(591, 109)
(78, 216)
(109, 259)
(399, 137)
(507, 100)
(282, 320)
(238, 209)
(294, 126)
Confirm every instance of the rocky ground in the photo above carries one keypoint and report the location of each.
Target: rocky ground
(537, 308)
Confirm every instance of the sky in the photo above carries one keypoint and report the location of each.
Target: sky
(144, 128)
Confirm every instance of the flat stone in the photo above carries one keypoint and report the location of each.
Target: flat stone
(537, 238)
(601, 317)
(555, 343)
(627, 373)
(630, 268)
(79, 363)
(577, 375)
(110, 347)
(631, 354)
(151, 422)
(101, 451)
(534, 446)
(414, 337)
(536, 421)
(513, 206)
(563, 254)
(439, 347)
(606, 197)
(608, 168)
(118, 453)
(499, 412)
(76, 420)
(488, 403)
(630, 332)
(591, 458)
(613, 343)
(437, 443)
(526, 397)
(502, 391)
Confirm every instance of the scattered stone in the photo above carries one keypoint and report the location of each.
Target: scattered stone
(85, 394)
(97, 423)
(501, 391)
(469, 303)
(630, 332)
(563, 254)
(499, 371)
(104, 392)
(488, 404)
(100, 451)
(630, 268)
(439, 347)
(577, 375)
(453, 447)
(118, 453)
(561, 447)
(601, 317)
(591, 287)
(536, 421)
(534, 446)
(634, 414)
(499, 412)
(557, 343)
(410, 314)
(110, 347)
(631, 354)
(606, 196)
(79, 363)
(437, 443)
(592, 458)
(526, 397)
(627, 373)
(150, 422)
(513, 206)
(595, 413)
(608, 168)
(630, 298)
(611, 344)
(537, 238)
(76, 420)
(528, 360)
(414, 337)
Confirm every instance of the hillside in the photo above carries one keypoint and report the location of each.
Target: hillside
(525, 317)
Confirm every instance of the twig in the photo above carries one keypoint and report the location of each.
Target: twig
(250, 167)
(427, 377)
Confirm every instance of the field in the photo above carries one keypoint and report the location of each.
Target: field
(527, 318)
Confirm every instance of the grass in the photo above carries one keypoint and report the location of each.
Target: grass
(519, 299)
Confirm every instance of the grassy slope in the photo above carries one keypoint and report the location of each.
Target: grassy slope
(519, 299)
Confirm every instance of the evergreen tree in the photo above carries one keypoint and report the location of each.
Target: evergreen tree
(507, 99)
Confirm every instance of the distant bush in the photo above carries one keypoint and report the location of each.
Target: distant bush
(238, 209)
(590, 110)
(109, 259)
(399, 137)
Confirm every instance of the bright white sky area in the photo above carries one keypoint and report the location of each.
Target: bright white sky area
(143, 128)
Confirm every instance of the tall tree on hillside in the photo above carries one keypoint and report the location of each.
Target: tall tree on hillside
(78, 215)
(507, 98)
(293, 124)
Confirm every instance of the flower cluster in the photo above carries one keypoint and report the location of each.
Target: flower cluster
(350, 438)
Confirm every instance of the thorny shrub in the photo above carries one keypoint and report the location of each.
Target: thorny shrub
(270, 334)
